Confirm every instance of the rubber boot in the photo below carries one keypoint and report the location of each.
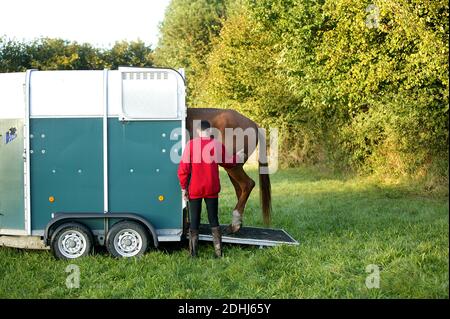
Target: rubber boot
(217, 241)
(193, 242)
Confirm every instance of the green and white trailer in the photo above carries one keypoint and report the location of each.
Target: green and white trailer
(90, 158)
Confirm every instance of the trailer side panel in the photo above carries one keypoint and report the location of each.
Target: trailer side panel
(11, 175)
(67, 167)
(142, 177)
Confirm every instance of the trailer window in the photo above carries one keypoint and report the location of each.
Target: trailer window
(149, 95)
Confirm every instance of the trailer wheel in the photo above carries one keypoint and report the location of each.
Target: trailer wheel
(71, 240)
(127, 239)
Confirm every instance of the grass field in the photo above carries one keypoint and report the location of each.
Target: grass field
(343, 225)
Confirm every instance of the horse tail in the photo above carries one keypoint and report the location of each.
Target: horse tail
(265, 189)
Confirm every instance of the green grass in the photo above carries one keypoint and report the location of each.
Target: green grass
(342, 225)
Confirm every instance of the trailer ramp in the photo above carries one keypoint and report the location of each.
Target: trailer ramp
(257, 236)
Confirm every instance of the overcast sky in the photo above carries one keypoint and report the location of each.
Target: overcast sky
(99, 22)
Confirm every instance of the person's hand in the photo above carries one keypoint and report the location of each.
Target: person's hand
(185, 194)
(240, 156)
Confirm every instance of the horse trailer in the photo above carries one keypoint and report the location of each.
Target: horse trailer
(90, 158)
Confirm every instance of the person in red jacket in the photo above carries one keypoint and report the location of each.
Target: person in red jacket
(198, 173)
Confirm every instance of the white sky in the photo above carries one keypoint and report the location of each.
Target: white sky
(99, 22)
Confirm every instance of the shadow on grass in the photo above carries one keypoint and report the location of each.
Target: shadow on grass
(167, 248)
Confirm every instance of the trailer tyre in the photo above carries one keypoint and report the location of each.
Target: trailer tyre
(127, 239)
(71, 240)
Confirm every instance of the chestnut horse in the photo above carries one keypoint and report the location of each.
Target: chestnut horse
(221, 119)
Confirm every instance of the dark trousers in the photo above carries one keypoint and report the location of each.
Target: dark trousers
(195, 209)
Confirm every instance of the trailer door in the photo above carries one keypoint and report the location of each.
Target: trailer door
(12, 115)
(145, 142)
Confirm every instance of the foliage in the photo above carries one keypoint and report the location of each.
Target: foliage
(359, 85)
(123, 53)
(391, 80)
(58, 54)
(186, 34)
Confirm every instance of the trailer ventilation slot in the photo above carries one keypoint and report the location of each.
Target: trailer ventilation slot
(145, 75)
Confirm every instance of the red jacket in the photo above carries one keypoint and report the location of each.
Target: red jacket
(199, 167)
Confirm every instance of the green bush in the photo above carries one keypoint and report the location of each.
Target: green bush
(354, 85)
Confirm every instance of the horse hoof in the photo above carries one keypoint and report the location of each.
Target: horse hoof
(232, 229)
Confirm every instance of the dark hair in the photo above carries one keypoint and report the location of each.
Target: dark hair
(204, 125)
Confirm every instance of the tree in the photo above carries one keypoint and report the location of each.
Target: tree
(358, 84)
(187, 32)
(124, 53)
(59, 54)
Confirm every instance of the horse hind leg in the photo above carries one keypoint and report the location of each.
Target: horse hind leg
(246, 185)
(236, 186)
(238, 191)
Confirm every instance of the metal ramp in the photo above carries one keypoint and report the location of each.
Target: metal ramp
(257, 236)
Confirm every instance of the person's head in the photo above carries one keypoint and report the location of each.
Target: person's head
(204, 129)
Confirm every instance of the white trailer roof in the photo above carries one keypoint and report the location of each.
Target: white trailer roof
(137, 93)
